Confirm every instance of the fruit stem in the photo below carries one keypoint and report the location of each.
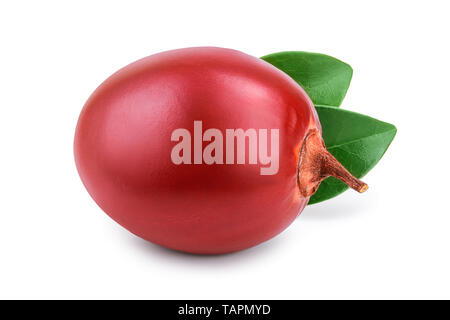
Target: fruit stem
(317, 164)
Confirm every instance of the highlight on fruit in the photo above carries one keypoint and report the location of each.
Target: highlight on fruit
(209, 150)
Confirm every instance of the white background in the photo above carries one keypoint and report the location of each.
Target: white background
(391, 242)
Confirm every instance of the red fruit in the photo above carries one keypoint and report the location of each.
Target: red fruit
(138, 168)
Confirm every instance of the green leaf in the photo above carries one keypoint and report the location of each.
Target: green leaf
(325, 79)
(355, 140)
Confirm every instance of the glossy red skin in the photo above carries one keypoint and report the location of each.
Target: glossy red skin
(123, 147)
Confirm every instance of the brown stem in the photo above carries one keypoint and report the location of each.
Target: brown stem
(317, 164)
